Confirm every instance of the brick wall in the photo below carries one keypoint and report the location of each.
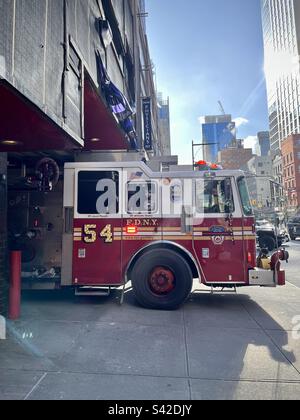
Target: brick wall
(291, 170)
(235, 158)
(3, 236)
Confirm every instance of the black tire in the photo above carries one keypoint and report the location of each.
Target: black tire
(267, 242)
(159, 260)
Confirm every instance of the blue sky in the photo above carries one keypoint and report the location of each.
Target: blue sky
(206, 51)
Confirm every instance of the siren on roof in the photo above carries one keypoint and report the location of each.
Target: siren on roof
(202, 165)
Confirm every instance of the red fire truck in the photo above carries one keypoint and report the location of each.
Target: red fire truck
(105, 224)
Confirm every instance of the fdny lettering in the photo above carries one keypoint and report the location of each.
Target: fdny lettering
(143, 222)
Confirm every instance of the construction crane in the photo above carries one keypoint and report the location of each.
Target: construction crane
(222, 108)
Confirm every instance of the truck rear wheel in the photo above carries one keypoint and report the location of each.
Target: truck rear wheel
(161, 279)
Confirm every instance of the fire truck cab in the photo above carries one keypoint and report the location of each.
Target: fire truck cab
(112, 223)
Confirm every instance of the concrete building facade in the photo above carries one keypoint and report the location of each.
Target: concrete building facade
(264, 142)
(164, 125)
(278, 185)
(259, 170)
(53, 55)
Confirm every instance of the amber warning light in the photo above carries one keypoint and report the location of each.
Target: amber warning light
(131, 230)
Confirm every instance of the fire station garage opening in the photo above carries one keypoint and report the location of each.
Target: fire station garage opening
(35, 222)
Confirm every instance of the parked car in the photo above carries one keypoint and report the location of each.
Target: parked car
(294, 228)
(269, 236)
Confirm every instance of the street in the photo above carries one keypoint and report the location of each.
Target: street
(224, 346)
(293, 269)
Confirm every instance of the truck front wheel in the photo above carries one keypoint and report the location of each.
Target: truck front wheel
(161, 279)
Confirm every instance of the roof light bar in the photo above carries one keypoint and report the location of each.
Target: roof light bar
(202, 165)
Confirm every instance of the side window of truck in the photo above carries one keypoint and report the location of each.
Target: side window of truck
(98, 192)
(244, 194)
(142, 197)
(214, 196)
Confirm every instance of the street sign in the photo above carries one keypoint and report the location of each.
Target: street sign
(147, 124)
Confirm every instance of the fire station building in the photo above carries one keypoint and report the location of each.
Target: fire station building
(75, 77)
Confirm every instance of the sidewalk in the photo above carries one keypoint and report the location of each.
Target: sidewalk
(216, 347)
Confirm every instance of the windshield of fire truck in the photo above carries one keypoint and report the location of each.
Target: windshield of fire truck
(245, 199)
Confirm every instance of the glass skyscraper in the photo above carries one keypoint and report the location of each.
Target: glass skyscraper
(281, 27)
(218, 133)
